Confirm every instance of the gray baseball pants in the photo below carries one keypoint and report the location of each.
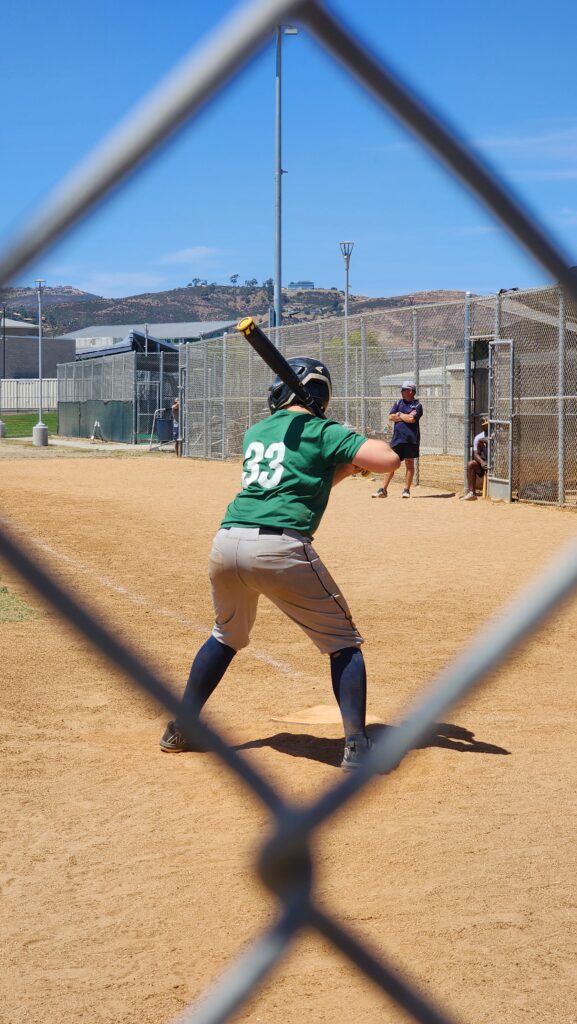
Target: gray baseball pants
(245, 563)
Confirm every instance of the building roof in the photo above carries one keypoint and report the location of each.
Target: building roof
(135, 341)
(17, 323)
(194, 329)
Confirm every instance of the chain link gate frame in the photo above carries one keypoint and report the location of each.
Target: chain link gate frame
(285, 862)
(500, 433)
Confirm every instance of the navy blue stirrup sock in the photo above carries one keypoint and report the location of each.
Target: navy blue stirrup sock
(349, 680)
(206, 672)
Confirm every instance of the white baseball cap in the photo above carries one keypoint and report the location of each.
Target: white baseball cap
(408, 385)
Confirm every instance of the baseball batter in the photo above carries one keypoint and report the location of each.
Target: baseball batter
(292, 459)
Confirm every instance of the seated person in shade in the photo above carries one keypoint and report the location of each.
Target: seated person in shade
(477, 466)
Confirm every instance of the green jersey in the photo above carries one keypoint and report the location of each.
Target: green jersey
(289, 463)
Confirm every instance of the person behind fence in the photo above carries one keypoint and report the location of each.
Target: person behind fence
(477, 466)
(405, 414)
(176, 426)
(292, 459)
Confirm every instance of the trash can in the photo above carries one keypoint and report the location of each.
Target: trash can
(164, 429)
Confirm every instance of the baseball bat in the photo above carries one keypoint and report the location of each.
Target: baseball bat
(277, 362)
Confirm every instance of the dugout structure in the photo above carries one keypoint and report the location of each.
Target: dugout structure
(512, 356)
(121, 392)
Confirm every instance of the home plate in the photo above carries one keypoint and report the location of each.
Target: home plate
(320, 714)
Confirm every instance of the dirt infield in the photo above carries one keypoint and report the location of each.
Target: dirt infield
(127, 875)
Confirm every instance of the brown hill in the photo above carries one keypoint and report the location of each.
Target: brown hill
(67, 309)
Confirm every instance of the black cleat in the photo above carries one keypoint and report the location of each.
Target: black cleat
(357, 750)
(175, 742)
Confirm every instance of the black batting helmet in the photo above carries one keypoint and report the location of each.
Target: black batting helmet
(313, 374)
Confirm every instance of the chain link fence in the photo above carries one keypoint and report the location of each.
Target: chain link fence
(368, 355)
(529, 391)
(285, 863)
(120, 393)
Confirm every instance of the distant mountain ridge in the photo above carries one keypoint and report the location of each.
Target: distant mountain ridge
(67, 309)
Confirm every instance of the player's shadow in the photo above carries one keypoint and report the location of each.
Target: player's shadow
(426, 497)
(330, 751)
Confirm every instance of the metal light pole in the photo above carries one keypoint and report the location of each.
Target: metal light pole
(3, 425)
(280, 31)
(346, 249)
(40, 431)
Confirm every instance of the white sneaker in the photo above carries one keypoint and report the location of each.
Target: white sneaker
(406, 493)
(469, 496)
(381, 493)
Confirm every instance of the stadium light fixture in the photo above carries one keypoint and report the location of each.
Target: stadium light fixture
(287, 30)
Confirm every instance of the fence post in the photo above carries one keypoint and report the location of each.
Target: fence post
(561, 403)
(135, 397)
(444, 399)
(346, 368)
(364, 376)
(224, 337)
(467, 388)
(161, 384)
(416, 360)
(498, 315)
(250, 384)
(206, 394)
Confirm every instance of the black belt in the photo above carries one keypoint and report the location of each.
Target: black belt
(278, 530)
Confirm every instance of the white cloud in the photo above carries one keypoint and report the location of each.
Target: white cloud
(568, 215)
(548, 144)
(196, 254)
(544, 175)
(115, 284)
(478, 229)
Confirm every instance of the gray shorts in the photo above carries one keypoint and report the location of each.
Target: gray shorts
(285, 568)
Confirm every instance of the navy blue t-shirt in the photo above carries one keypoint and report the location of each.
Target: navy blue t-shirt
(407, 432)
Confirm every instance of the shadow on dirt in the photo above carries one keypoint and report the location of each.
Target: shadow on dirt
(425, 497)
(330, 751)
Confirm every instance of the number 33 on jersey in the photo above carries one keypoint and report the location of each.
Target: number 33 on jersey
(264, 466)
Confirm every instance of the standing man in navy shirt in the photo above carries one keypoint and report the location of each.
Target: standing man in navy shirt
(405, 414)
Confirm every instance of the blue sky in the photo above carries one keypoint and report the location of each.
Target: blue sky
(502, 73)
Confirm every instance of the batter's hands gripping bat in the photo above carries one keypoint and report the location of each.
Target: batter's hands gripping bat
(277, 362)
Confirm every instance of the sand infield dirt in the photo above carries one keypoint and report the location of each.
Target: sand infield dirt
(126, 875)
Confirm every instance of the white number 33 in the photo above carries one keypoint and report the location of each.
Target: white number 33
(269, 475)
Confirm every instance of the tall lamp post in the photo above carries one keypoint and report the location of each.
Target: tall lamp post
(3, 370)
(287, 30)
(346, 249)
(40, 431)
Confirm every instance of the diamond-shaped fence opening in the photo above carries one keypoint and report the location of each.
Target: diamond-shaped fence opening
(285, 861)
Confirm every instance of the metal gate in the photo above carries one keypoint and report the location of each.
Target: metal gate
(500, 472)
(147, 402)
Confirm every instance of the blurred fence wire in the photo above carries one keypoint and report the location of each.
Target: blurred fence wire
(286, 863)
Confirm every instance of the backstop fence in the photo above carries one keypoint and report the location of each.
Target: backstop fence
(533, 422)
(120, 393)
(286, 860)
